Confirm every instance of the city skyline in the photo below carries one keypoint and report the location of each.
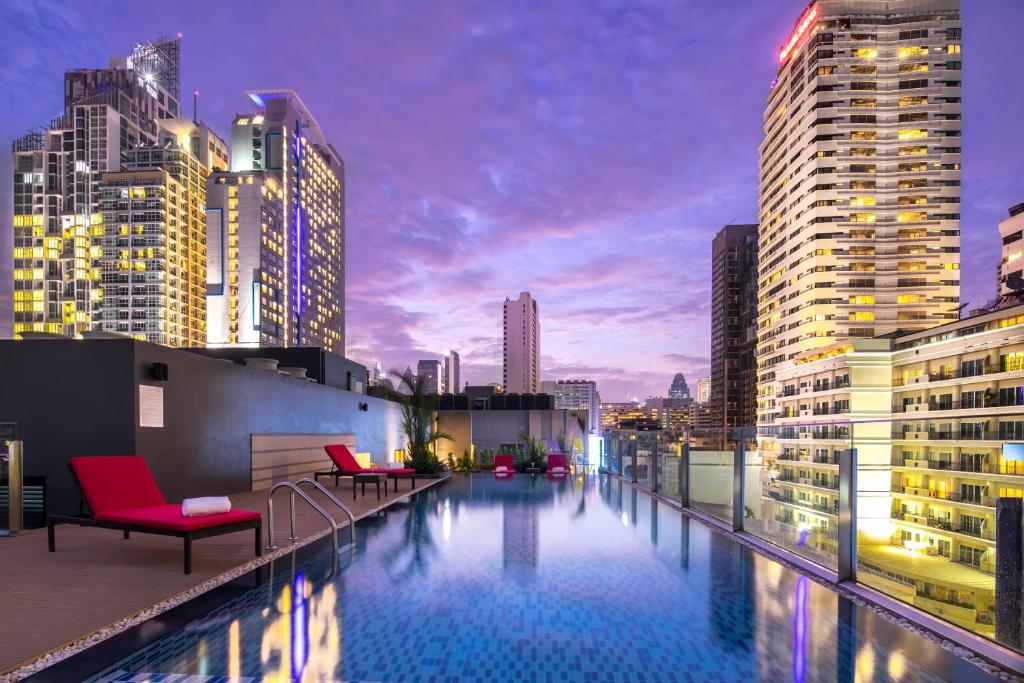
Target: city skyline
(451, 211)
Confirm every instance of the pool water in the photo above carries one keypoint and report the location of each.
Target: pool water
(538, 580)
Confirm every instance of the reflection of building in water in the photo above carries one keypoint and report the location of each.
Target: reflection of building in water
(519, 535)
(731, 599)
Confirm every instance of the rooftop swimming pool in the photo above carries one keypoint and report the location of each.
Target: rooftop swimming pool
(538, 580)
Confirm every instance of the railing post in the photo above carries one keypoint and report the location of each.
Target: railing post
(632, 453)
(684, 475)
(653, 471)
(15, 484)
(270, 523)
(291, 511)
(739, 468)
(847, 534)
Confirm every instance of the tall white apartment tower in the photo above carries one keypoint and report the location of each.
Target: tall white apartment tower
(521, 372)
(276, 222)
(859, 229)
(452, 372)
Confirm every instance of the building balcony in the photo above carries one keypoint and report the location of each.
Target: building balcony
(952, 435)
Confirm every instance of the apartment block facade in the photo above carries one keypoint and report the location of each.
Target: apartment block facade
(432, 373)
(246, 287)
(733, 395)
(521, 345)
(860, 180)
(1011, 234)
(452, 373)
(936, 421)
(57, 172)
(302, 262)
(581, 397)
(153, 248)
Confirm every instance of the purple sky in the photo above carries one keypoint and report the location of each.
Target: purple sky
(586, 152)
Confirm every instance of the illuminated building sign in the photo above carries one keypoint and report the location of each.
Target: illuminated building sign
(806, 21)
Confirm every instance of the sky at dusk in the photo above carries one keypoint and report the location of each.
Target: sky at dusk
(584, 151)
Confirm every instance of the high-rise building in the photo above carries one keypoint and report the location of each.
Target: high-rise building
(734, 326)
(679, 388)
(153, 247)
(935, 419)
(246, 288)
(1011, 232)
(199, 139)
(58, 229)
(431, 372)
(297, 269)
(860, 179)
(703, 390)
(521, 366)
(580, 396)
(452, 373)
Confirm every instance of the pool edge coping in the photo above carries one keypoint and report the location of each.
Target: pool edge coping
(39, 663)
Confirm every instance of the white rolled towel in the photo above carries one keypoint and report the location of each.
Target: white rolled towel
(558, 470)
(210, 505)
(501, 469)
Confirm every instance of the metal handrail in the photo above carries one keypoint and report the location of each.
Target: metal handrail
(333, 499)
(294, 489)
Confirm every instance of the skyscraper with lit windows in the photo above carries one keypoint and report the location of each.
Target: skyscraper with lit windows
(58, 225)
(153, 258)
(277, 258)
(860, 179)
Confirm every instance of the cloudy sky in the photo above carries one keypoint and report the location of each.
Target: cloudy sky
(584, 151)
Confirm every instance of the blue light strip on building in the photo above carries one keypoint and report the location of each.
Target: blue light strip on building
(298, 233)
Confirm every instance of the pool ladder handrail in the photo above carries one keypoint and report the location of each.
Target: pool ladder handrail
(295, 488)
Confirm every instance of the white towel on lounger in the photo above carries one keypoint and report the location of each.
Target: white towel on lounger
(210, 505)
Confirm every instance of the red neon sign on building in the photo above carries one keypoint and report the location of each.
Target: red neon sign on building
(806, 21)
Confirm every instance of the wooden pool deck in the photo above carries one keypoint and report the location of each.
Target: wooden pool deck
(96, 578)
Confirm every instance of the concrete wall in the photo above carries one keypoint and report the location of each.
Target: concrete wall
(492, 428)
(82, 398)
(276, 457)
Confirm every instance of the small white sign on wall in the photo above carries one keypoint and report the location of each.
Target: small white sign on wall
(151, 406)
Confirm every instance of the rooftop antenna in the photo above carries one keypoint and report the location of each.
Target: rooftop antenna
(195, 105)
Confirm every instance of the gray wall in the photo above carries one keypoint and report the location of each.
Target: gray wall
(81, 398)
(491, 428)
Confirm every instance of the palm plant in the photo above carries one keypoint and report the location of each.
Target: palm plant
(534, 454)
(418, 421)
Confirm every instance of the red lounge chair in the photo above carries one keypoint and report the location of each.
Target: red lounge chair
(346, 465)
(557, 460)
(504, 460)
(122, 494)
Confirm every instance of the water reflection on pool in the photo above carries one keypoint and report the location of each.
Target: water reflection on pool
(550, 580)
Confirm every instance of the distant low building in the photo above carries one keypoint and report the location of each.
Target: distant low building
(431, 372)
(1011, 231)
(703, 390)
(581, 397)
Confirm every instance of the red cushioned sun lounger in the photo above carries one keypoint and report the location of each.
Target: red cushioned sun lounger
(122, 494)
(557, 460)
(506, 461)
(346, 465)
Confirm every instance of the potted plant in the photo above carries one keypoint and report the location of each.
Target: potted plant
(531, 456)
(419, 423)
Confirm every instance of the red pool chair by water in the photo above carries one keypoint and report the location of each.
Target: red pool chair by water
(558, 466)
(504, 466)
(122, 494)
(346, 465)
